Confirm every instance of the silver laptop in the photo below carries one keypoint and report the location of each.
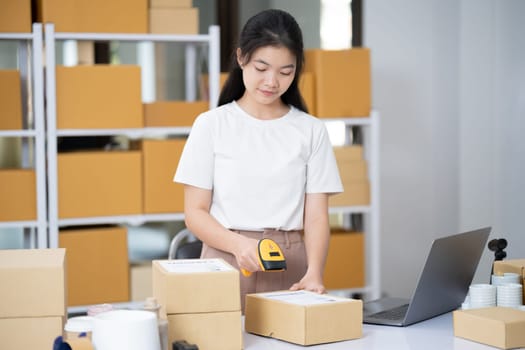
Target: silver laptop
(442, 285)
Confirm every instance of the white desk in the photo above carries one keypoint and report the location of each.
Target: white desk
(433, 334)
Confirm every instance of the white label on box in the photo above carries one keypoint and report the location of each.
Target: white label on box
(301, 298)
(195, 265)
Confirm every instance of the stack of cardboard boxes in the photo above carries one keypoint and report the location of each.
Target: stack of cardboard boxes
(354, 176)
(201, 300)
(32, 297)
(173, 17)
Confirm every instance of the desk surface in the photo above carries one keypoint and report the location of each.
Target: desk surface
(434, 334)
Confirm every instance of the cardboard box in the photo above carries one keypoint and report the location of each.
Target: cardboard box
(355, 193)
(209, 331)
(196, 285)
(94, 16)
(173, 113)
(99, 183)
(495, 326)
(342, 81)
(30, 332)
(345, 263)
(99, 96)
(303, 317)
(170, 3)
(348, 153)
(511, 265)
(353, 171)
(15, 16)
(33, 283)
(17, 194)
(160, 160)
(141, 276)
(10, 99)
(97, 265)
(307, 88)
(174, 20)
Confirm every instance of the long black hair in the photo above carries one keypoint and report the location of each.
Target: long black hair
(267, 28)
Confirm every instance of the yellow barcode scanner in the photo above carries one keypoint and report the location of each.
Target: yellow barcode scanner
(271, 257)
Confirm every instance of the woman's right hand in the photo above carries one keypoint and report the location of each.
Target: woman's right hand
(246, 254)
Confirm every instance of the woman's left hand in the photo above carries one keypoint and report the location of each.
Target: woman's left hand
(310, 283)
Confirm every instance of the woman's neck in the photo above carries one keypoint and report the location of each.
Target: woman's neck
(264, 112)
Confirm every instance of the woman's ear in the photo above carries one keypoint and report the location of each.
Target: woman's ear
(239, 57)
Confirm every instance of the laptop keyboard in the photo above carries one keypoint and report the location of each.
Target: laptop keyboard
(396, 313)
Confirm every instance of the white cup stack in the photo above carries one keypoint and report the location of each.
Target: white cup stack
(510, 295)
(482, 295)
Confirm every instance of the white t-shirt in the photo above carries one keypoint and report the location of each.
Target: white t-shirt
(258, 170)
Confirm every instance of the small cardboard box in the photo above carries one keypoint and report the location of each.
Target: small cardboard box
(342, 82)
(345, 263)
(160, 160)
(15, 17)
(209, 331)
(99, 96)
(353, 171)
(10, 99)
(303, 317)
(99, 183)
(173, 113)
(33, 283)
(307, 88)
(174, 20)
(511, 265)
(348, 153)
(30, 332)
(495, 326)
(170, 3)
(94, 16)
(355, 193)
(196, 285)
(17, 194)
(97, 265)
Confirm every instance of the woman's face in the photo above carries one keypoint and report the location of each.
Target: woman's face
(268, 74)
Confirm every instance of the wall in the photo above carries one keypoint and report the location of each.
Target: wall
(448, 79)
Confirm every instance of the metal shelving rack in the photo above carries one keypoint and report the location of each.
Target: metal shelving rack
(30, 65)
(212, 40)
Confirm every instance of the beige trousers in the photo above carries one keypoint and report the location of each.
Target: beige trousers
(292, 245)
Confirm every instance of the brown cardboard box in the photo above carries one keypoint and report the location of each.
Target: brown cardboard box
(30, 332)
(307, 88)
(99, 183)
(353, 171)
(95, 16)
(348, 153)
(345, 263)
(160, 160)
(355, 193)
(170, 3)
(15, 16)
(173, 113)
(99, 96)
(10, 99)
(196, 285)
(33, 283)
(141, 276)
(302, 317)
(17, 194)
(209, 331)
(342, 82)
(511, 265)
(97, 265)
(495, 326)
(174, 20)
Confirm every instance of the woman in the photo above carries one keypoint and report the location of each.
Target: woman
(258, 166)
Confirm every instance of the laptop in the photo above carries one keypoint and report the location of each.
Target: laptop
(442, 285)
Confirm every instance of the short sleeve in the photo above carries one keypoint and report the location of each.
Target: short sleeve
(322, 174)
(196, 163)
